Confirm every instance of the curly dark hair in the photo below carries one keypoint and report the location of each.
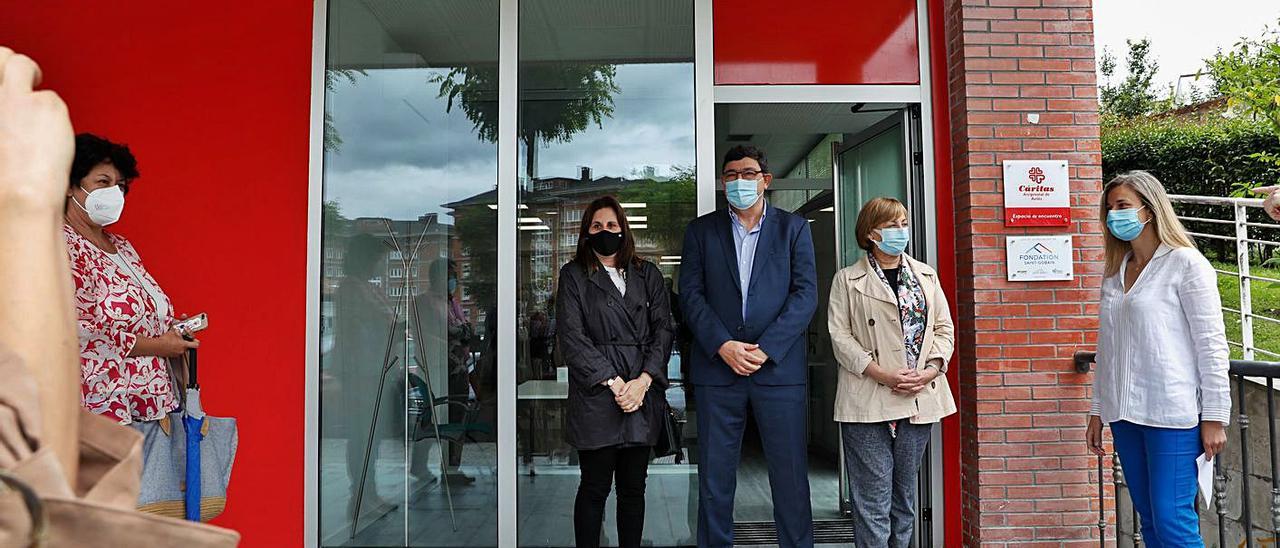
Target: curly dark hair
(92, 150)
(746, 151)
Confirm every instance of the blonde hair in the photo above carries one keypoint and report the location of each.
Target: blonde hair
(1167, 226)
(876, 212)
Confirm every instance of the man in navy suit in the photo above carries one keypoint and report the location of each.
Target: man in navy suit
(748, 288)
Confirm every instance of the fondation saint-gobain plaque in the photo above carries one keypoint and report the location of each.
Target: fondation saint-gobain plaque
(1039, 258)
(1036, 193)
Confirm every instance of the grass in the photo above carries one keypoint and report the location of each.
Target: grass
(1265, 301)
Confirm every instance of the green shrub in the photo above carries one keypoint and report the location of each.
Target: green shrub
(1209, 159)
(1215, 158)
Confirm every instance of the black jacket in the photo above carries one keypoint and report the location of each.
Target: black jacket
(603, 334)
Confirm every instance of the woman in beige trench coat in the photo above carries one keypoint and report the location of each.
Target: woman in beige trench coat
(892, 335)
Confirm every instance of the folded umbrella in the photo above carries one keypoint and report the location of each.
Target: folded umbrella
(193, 423)
(189, 457)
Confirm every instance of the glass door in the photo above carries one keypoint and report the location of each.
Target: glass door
(883, 161)
(606, 103)
(872, 164)
(407, 446)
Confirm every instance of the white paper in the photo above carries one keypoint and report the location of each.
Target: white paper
(1204, 470)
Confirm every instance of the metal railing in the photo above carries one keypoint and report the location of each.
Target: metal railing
(1244, 373)
(1203, 223)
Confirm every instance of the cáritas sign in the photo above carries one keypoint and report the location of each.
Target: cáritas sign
(1036, 193)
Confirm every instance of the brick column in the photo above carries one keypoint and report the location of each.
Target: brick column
(1026, 474)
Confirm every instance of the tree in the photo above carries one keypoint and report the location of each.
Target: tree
(557, 101)
(1133, 96)
(332, 77)
(672, 204)
(1249, 77)
(333, 220)
(474, 225)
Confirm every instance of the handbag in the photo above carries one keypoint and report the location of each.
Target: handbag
(164, 472)
(163, 489)
(668, 434)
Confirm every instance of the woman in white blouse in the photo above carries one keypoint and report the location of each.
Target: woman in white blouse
(1161, 382)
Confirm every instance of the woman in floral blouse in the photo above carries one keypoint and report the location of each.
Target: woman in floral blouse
(125, 320)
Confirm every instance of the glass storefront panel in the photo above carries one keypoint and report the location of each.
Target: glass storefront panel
(606, 108)
(409, 370)
(408, 453)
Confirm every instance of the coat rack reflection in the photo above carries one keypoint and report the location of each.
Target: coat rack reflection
(389, 362)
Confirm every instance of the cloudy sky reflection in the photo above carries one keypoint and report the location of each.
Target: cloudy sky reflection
(403, 155)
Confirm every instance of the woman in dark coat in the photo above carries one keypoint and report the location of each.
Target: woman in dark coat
(614, 331)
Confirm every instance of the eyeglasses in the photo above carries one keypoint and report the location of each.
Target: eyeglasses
(750, 175)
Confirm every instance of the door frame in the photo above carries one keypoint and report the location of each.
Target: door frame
(905, 120)
(315, 213)
(921, 96)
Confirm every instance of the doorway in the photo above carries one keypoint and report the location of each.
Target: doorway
(828, 159)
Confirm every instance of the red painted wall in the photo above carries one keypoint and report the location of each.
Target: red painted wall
(952, 520)
(215, 104)
(815, 42)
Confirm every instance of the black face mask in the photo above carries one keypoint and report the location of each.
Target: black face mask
(605, 243)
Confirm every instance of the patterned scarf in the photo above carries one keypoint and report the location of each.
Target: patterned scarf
(911, 307)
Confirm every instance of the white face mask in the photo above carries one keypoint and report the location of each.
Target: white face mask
(104, 205)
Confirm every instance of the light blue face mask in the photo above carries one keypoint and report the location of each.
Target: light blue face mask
(1124, 223)
(893, 240)
(741, 193)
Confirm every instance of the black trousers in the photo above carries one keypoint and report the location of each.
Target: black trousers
(600, 468)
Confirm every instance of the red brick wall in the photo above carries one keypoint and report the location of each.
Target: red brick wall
(1026, 474)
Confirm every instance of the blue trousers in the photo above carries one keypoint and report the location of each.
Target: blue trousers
(780, 413)
(1160, 467)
